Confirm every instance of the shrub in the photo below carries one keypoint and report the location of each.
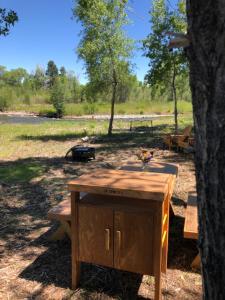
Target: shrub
(6, 98)
(58, 98)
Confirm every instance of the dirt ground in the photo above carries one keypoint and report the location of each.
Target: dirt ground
(32, 267)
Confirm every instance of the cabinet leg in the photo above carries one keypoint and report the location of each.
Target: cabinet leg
(74, 239)
(75, 275)
(158, 287)
(196, 264)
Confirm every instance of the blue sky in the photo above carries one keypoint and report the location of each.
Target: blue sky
(46, 31)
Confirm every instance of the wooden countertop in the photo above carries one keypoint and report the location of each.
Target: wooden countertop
(142, 185)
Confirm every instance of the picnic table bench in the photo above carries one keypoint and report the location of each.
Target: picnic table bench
(191, 224)
(62, 213)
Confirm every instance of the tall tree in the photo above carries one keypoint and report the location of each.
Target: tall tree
(52, 72)
(7, 19)
(39, 78)
(206, 32)
(165, 65)
(104, 46)
(62, 71)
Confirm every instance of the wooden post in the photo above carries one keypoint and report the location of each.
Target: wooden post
(75, 196)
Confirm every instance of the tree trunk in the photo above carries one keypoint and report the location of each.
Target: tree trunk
(113, 100)
(175, 99)
(206, 31)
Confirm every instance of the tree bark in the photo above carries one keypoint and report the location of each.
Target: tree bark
(206, 31)
(175, 99)
(113, 100)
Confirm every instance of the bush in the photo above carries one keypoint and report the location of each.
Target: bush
(58, 98)
(6, 98)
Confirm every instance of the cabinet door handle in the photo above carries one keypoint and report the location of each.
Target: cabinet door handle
(107, 239)
(118, 233)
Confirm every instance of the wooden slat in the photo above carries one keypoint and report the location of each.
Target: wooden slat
(191, 218)
(142, 185)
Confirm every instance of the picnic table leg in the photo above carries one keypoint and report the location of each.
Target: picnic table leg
(196, 262)
(74, 239)
(63, 229)
(58, 235)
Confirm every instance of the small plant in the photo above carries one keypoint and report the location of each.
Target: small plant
(58, 98)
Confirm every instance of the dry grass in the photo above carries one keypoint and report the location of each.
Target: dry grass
(32, 267)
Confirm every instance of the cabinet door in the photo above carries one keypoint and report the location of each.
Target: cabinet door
(95, 235)
(133, 242)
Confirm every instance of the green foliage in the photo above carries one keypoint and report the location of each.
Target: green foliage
(162, 62)
(33, 89)
(165, 65)
(52, 72)
(104, 47)
(7, 19)
(62, 71)
(39, 78)
(6, 98)
(58, 98)
(14, 77)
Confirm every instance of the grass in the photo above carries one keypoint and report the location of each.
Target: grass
(20, 172)
(41, 139)
(79, 109)
(53, 138)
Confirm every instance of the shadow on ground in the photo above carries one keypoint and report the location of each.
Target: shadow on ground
(94, 279)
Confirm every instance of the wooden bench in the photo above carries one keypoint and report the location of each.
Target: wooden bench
(191, 224)
(62, 213)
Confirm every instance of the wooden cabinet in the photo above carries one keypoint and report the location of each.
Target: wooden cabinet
(133, 239)
(95, 235)
(122, 222)
(116, 238)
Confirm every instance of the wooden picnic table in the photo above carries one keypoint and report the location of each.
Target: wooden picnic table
(122, 222)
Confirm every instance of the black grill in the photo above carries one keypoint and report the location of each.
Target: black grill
(80, 153)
